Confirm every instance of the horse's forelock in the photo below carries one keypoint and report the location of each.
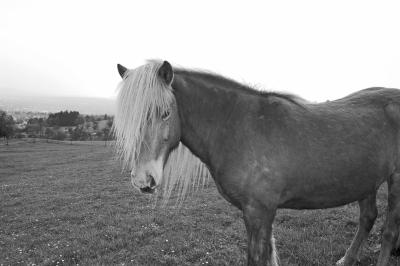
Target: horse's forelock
(141, 95)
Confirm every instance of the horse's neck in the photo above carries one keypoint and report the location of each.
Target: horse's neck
(202, 111)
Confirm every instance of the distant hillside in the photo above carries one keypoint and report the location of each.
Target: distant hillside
(55, 104)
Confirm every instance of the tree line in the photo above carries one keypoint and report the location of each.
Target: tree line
(65, 118)
(63, 125)
(6, 125)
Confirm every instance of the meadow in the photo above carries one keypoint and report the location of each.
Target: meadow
(63, 204)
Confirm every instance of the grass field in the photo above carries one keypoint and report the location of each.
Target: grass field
(70, 204)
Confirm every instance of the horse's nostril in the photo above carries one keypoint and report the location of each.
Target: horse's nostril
(152, 182)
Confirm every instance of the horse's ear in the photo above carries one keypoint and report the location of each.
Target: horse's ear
(121, 70)
(166, 73)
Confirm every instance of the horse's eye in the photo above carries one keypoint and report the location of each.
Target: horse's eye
(166, 115)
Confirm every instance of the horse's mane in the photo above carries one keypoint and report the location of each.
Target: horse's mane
(141, 97)
(234, 85)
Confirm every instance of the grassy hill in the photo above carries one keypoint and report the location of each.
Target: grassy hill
(70, 204)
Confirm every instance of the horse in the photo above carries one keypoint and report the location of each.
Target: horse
(264, 150)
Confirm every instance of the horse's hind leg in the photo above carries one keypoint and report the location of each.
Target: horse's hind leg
(368, 213)
(391, 231)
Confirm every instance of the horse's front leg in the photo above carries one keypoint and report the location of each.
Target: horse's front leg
(261, 244)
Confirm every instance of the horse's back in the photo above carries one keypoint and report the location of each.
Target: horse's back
(345, 148)
(378, 98)
(373, 95)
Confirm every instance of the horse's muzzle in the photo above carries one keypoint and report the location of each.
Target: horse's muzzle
(151, 188)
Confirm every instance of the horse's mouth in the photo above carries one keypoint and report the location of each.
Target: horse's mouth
(147, 190)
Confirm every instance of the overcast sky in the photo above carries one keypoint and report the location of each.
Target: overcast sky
(318, 50)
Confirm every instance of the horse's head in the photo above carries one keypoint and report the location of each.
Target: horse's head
(147, 124)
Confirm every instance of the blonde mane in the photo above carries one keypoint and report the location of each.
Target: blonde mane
(142, 95)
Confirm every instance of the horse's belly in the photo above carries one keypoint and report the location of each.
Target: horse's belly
(319, 195)
(319, 202)
(337, 180)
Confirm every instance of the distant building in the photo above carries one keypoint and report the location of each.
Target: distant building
(66, 130)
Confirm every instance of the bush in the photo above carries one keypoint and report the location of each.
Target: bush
(20, 135)
(60, 135)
